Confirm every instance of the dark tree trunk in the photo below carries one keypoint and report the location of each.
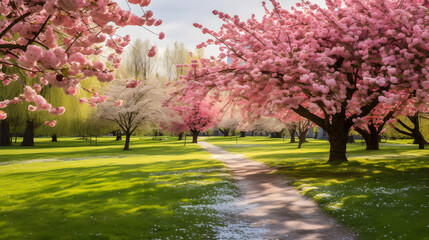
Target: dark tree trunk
(225, 132)
(421, 141)
(372, 139)
(350, 139)
(338, 143)
(118, 136)
(180, 136)
(233, 132)
(413, 131)
(373, 142)
(276, 134)
(54, 138)
(127, 141)
(5, 137)
(28, 135)
(242, 133)
(302, 138)
(292, 135)
(195, 136)
(315, 135)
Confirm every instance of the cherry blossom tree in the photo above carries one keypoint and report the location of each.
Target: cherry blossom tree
(61, 43)
(131, 107)
(229, 122)
(195, 116)
(331, 65)
(296, 125)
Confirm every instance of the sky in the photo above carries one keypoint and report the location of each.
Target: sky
(178, 18)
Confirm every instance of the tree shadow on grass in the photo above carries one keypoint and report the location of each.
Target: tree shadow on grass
(78, 153)
(119, 201)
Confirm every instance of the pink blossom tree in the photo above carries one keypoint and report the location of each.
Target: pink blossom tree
(195, 116)
(296, 125)
(330, 65)
(53, 40)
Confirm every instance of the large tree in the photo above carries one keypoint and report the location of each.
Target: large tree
(330, 65)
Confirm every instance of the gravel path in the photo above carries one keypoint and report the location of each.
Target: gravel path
(276, 205)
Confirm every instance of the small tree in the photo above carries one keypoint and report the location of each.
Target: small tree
(196, 116)
(132, 107)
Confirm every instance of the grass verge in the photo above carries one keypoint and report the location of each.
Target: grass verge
(70, 190)
(380, 194)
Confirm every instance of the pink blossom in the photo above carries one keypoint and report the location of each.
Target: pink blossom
(148, 14)
(57, 111)
(32, 108)
(38, 87)
(99, 65)
(118, 103)
(33, 53)
(132, 84)
(3, 115)
(152, 52)
(161, 35)
(158, 22)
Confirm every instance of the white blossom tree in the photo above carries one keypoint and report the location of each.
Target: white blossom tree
(131, 107)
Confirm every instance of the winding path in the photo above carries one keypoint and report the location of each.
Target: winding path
(278, 207)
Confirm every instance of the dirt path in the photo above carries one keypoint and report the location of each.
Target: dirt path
(277, 206)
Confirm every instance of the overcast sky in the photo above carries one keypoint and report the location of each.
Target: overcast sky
(178, 17)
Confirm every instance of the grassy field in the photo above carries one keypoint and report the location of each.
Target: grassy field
(70, 190)
(380, 194)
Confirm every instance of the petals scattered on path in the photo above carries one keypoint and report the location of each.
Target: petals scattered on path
(276, 205)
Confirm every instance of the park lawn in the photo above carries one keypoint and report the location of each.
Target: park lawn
(71, 190)
(379, 194)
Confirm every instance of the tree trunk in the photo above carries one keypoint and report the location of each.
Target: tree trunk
(421, 140)
(276, 134)
(54, 138)
(292, 135)
(127, 141)
(195, 136)
(242, 133)
(118, 136)
(233, 132)
(180, 136)
(225, 132)
(5, 137)
(338, 144)
(28, 135)
(373, 142)
(315, 135)
(350, 139)
(302, 138)
(372, 138)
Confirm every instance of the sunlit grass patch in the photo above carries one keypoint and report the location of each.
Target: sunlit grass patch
(71, 190)
(380, 194)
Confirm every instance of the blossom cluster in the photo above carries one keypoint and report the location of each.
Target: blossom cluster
(54, 40)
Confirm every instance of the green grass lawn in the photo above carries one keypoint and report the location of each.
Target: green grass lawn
(71, 190)
(380, 194)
